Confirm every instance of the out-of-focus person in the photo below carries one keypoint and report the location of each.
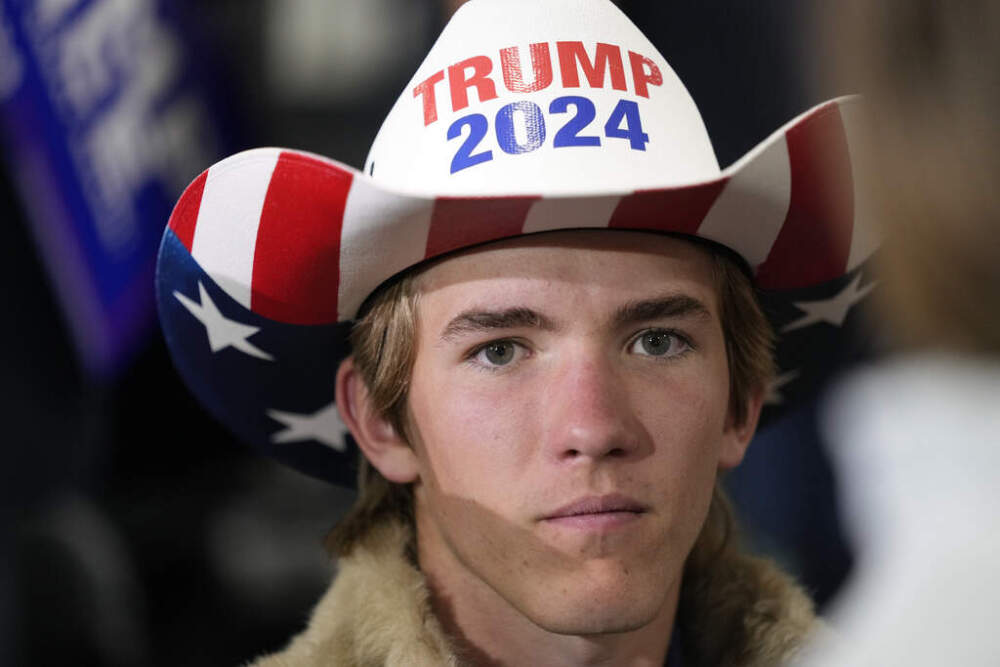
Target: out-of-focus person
(917, 439)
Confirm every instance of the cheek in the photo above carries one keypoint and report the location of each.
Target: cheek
(473, 436)
(686, 423)
(685, 413)
(694, 401)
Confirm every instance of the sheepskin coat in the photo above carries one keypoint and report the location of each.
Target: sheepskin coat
(377, 614)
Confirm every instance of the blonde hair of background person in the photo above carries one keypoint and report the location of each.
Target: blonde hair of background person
(931, 72)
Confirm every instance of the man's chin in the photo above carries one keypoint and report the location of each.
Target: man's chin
(594, 620)
(599, 607)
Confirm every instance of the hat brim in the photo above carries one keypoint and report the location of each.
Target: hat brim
(269, 254)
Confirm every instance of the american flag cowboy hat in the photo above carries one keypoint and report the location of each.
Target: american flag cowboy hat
(525, 117)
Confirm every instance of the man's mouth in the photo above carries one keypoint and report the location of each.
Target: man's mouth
(597, 512)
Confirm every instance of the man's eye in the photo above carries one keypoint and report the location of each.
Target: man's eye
(659, 343)
(498, 353)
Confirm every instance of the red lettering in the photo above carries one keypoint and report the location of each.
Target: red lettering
(607, 57)
(644, 72)
(480, 78)
(541, 63)
(426, 89)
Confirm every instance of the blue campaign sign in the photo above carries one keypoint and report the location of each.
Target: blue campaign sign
(105, 119)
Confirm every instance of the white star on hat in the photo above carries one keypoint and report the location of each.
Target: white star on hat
(222, 331)
(774, 396)
(323, 426)
(833, 310)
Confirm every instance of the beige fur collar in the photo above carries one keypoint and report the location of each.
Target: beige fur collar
(377, 614)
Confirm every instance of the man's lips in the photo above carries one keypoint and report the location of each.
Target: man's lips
(597, 511)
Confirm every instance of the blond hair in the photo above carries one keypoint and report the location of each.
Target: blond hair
(383, 352)
(928, 71)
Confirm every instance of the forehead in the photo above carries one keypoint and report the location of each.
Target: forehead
(590, 264)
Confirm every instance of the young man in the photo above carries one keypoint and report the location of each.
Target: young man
(563, 409)
(555, 348)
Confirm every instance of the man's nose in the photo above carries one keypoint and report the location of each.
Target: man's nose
(588, 411)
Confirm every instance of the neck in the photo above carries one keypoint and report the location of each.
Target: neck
(489, 631)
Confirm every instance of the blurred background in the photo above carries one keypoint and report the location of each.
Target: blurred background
(135, 530)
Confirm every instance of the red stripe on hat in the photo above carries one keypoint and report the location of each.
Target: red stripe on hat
(815, 240)
(296, 265)
(678, 210)
(185, 215)
(460, 223)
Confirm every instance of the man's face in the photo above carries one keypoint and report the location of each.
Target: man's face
(568, 412)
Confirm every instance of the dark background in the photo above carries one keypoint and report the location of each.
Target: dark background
(137, 532)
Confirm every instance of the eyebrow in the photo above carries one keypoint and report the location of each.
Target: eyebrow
(680, 305)
(474, 321)
(478, 321)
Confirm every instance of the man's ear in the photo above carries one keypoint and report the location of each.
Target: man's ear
(736, 438)
(382, 446)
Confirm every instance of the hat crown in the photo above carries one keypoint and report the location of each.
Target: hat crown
(549, 98)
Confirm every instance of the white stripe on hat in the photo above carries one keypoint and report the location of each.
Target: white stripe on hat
(554, 213)
(225, 235)
(865, 237)
(751, 209)
(382, 234)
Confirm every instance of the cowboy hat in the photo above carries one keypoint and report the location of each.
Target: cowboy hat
(525, 117)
